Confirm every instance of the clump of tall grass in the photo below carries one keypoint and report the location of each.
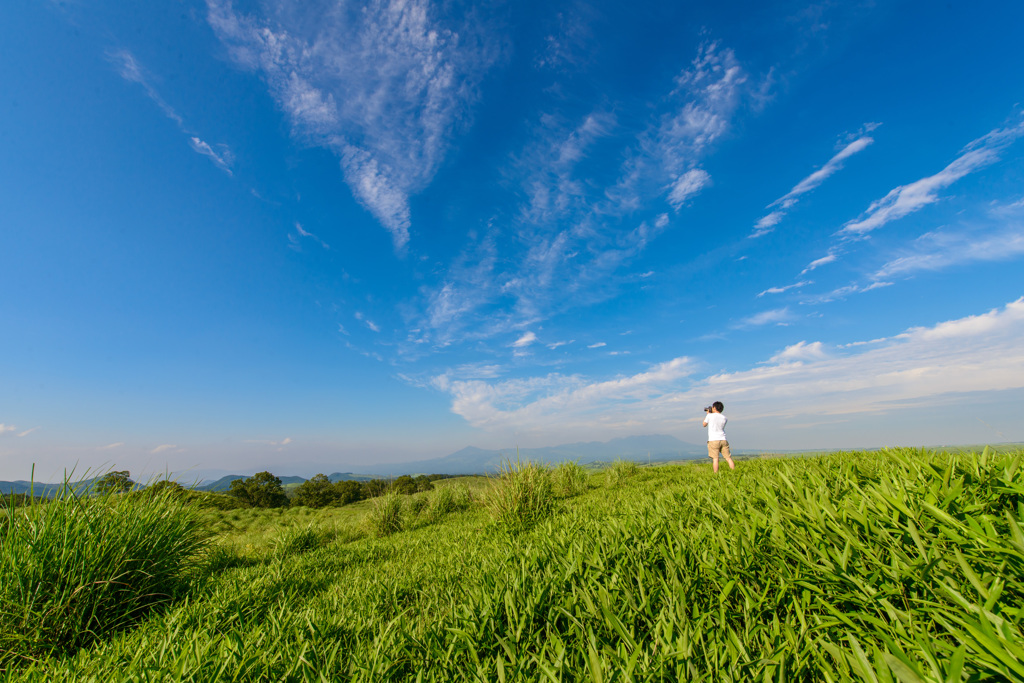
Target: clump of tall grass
(296, 540)
(448, 499)
(522, 495)
(570, 479)
(385, 517)
(80, 566)
(620, 471)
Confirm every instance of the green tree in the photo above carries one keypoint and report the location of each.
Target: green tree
(165, 486)
(317, 492)
(115, 482)
(261, 490)
(423, 483)
(348, 491)
(375, 487)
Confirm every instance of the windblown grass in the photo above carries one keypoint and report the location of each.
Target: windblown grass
(521, 496)
(901, 565)
(385, 516)
(77, 567)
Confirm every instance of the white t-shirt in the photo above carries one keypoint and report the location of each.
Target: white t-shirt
(716, 426)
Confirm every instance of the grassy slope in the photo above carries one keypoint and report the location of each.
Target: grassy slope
(813, 569)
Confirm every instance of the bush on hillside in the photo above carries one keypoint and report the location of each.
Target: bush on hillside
(79, 567)
(115, 482)
(317, 492)
(262, 490)
(521, 496)
(348, 491)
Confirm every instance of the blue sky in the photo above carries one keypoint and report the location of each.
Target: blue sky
(301, 236)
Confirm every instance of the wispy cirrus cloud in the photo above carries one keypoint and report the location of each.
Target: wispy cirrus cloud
(775, 316)
(110, 446)
(384, 85)
(780, 206)
(163, 447)
(294, 239)
(524, 340)
(943, 249)
(906, 199)
(573, 233)
(978, 353)
(130, 70)
(4, 428)
(708, 93)
(830, 257)
(786, 288)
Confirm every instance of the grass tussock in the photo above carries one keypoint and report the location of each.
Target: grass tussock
(385, 517)
(521, 496)
(448, 499)
(77, 567)
(571, 480)
(889, 566)
(621, 471)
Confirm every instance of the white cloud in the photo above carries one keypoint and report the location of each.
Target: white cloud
(596, 345)
(536, 402)
(768, 222)
(777, 316)
(4, 428)
(555, 345)
(384, 86)
(305, 233)
(800, 351)
(979, 353)
(366, 321)
(110, 446)
(222, 159)
(130, 70)
(818, 263)
(786, 288)
(906, 199)
(525, 340)
(687, 185)
(163, 447)
(943, 249)
(24, 433)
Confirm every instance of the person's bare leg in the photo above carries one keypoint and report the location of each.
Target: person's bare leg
(727, 452)
(714, 464)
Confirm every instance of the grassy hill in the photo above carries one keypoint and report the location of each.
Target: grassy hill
(884, 566)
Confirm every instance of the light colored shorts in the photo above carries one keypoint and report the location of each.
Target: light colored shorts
(716, 447)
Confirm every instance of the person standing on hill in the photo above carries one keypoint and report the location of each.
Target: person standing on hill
(717, 441)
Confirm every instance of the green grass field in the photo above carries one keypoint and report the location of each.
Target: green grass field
(896, 565)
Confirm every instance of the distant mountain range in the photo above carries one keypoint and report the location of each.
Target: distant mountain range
(470, 460)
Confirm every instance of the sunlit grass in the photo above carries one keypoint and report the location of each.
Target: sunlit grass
(892, 566)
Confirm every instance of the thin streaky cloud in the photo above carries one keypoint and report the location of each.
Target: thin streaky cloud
(305, 233)
(776, 316)
(818, 263)
(786, 288)
(4, 428)
(935, 251)
(24, 433)
(110, 446)
(163, 447)
(130, 70)
(780, 206)
(596, 345)
(906, 199)
(524, 340)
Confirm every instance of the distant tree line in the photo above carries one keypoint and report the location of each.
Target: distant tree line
(265, 490)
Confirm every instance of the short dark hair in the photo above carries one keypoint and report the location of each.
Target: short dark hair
(717, 405)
